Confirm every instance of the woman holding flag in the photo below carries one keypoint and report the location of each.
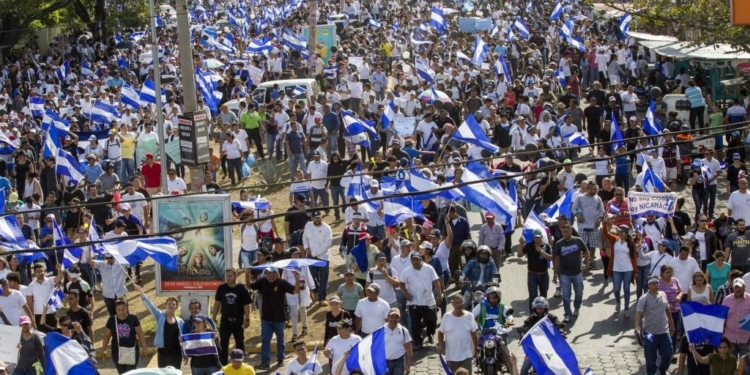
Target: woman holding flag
(203, 359)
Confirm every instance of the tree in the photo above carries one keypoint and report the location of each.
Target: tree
(703, 22)
(17, 17)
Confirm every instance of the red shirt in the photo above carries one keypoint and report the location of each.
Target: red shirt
(152, 174)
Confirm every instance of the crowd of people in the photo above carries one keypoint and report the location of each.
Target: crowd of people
(537, 83)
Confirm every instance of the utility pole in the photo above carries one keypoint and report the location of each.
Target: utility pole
(156, 68)
(312, 23)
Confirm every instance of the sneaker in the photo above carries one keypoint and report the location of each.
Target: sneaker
(617, 307)
(575, 312)
(606, 282)
(280, 363)
(566, 319)
(263, 366)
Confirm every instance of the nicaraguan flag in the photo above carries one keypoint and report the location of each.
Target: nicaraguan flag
(388, 114)
(471, 132)
(567, 29)
(68, 166)
(480, 51)
(424, 71)
(161, 249)
(262, 45)
(375, 24)
(562, 206)
(368, 356)
(462, 56)
(137, 36)
(228, 42)
(650, 125)
(423, 188)
(704, 322)
(148, 93)
(547, 350)
(93, 236)
(560, 75)
(330, 71)
(51, 119)
(573, 42)
(624, 23)
(298, 91)
(36, 106)
(293, 41)
(486, 196)
(293, 264)
(130, 97)
(521, 27)
(501, 67)
(437, 20)
(65, 356)
(63, 70)
(86, 70)
(71, 255)
(615, 134)
(557, 12)
(355, 130)
(51, 142)
(199, 344)
(397, 210)
(531, 224)
(417, 40)
(651, 182)
(211, 96)
(577, 139)
(55, 301)
(109, 109)
(258, 203)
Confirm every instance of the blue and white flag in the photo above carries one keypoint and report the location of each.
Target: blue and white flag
(262, 45)
(423, 188)
(199, 344)
(389, 112)
(471, 132)
(480, 51)
(368, 356)
(488, 196)
(36, 106)
(424, 71)
(577, 139)
(573, 42)
(130, 97)
(588, 371)
(63, 70)
(562, 206)
(567, 29)
(309, 368)
(2, 201)
(397, 210)
(108, 109)
(651, 181)
(208, 88)
(521, 27)
(71, 255)
(375, 24)
(560, 75)
(65, 356)
(293, 264)
(557, 12)
(228, 42)
(615, 134)
(51, 119)
(657, 204)
(356, 131)
(161, 249)
(548, 351)
(68, 166)
(55, 301)
(501, 67)
(510, 35)
(86, 69)
(93, 236)
(704, 322)
(148, 92)
(293, 41)
(460, 56)
(437, 20)
(137, 36)
(298, 90)
(650, 125)
(417, 39)
(531, 224)
(51, 142)
(624, 24)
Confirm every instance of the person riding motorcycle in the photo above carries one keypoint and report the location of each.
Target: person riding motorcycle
(479, 271)
(492, 314)
(540, 308)
(468, 252)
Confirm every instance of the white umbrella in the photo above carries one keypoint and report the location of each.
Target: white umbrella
(168, 10)
(212, 64)
(432, 95)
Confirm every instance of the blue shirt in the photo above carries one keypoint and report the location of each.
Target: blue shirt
(5, 185)
(501, 50)
(695, 96)
(622, 165)
(331, 122)
(93, 172)
(161, 318)
(295, 142)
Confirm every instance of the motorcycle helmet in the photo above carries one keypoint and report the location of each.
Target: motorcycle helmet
(469, 248)
(684, 128)
(478, 115)
(496, 290)
(484, 249)
(540, 303)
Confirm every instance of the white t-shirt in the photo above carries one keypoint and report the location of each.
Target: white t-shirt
(622, 258)
(137, 202)
(176, 184)
(657, 261)
(318, 172)
(12, 306)
(249, 238)
(294, 367)
(419, 284)
(387, 291)
(700, 238)
(739, 203)
(339, 346)
(373, 314)
(40, 292)
(684, 271)
(241, 136)
(457, 330)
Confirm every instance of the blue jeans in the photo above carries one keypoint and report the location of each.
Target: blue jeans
(336, 193)
(700, 202)
(621, 280)
(623, 181)
(267, 330)
(270, 146)
(525, 367)
(320, 275)
(538, 285)
(711, 200)
(569, 283)
(28, 371)
(661, 344)
(323, 195)
(203, 370)
(677, 319)
(640, 281)
(401, 299)
(127, 170)
(395, 367)
(297, 160)
(333, 145)
(247, 257)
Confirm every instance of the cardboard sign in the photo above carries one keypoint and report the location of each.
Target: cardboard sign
(356, 88)
(659, 204)
(404, 126)
(10, 336)
(173, 151)
(256, 74)
(357, 61)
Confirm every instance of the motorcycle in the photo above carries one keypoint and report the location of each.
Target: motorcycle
(490, 358)
(644, 101)
(474, 295)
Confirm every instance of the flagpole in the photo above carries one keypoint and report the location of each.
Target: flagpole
(157, 93)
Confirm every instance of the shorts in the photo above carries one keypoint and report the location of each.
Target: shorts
(247, 258)
(719, 142)
(590, 237)
(671, 173)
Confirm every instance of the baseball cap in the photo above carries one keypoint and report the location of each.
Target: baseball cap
(125, 207)
(654, 279)
(93, 138)
(149, 156)
(393, 311)
(200, 318)
(737, 282)
(736, 156)
(489, 215)
(537, 233)
(425, 245)
(380, 256)
(567, 161)
(405, 243)
(237, 355)
(374, 183)
(348, 272)
(25, 319)
(416, 255)
(334, 299)
(356, 215)
(317, 214)
(375, 288)
(435, 233)
(688, 236)
(301, 198)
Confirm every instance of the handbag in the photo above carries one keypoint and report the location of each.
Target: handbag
(125, 355)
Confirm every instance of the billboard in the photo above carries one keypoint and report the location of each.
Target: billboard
(204, 252)
(325, 36)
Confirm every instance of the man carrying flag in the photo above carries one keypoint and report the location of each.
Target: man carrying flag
(302, 364)
(654, 326)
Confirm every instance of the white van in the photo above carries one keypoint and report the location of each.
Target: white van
(262, 94)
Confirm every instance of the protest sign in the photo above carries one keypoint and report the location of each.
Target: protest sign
(10, 336)
(659, 204)
(357, 61)
(256, 74)
(356, 88)
(404, 126)
(173, 151)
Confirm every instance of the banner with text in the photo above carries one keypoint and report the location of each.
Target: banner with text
(659, 204)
